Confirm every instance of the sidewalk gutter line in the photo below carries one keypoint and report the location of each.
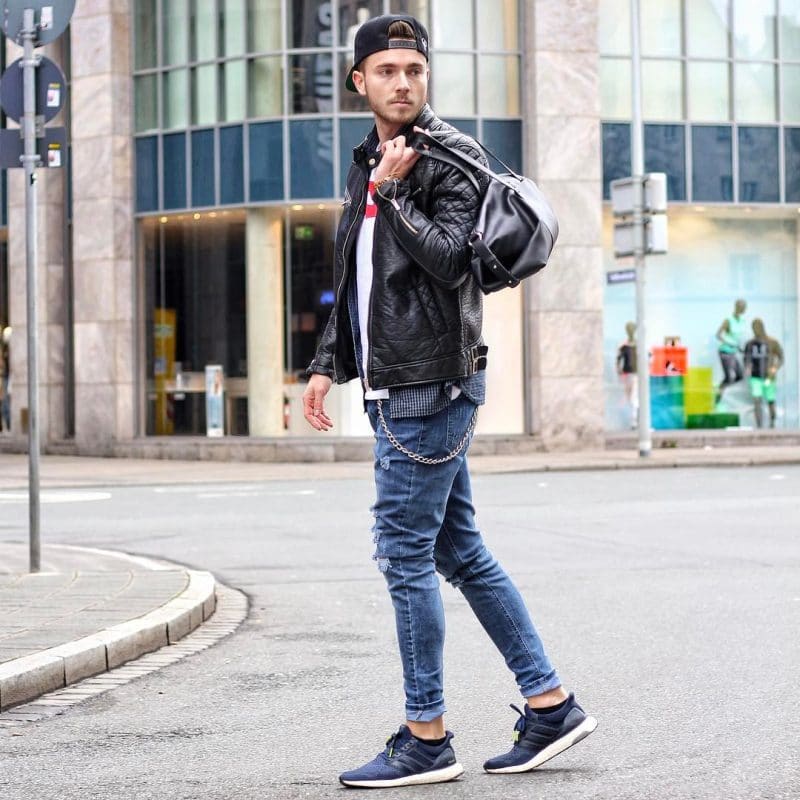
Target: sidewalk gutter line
(28, 677)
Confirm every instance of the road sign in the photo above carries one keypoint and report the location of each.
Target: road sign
(51, 147)
(50, 90)
(51, 18)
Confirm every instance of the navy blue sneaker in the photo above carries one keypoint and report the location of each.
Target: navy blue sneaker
(406, 761)
(540, 737)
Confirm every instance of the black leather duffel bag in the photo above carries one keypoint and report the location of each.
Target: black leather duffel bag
(516, 228)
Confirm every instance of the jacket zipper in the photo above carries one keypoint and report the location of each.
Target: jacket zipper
(405, 222)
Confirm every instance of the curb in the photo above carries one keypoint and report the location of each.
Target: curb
(29, 677)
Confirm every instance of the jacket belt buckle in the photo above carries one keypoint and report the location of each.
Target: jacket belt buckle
(479, 358)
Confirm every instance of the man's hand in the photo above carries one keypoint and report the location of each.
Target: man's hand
(398, 159)
(313, 407)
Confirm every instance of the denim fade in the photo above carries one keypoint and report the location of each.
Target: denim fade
(424, 524)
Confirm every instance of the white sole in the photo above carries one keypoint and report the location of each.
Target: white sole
(436, 776)
(551, 751)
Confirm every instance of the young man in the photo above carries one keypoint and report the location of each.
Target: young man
(407, 322)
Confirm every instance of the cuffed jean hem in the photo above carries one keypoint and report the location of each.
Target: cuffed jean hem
(425, 714)
(547, 683)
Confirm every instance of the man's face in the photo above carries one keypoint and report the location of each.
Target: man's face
(395, 83)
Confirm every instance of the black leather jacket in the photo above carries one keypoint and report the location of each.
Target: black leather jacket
(426, 309)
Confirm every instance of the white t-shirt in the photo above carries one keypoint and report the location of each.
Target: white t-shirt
(364, 282)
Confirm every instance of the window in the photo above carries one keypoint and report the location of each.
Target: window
(498, 24)
(665, 151)
(231, 165)
(498, 86)
(174, 30)
(758, 165)
(147, 173)
(707, 28)
(264, 25)
(203, 169)
(709, 91)
(144, 27)
(661, 28)
(447, 33)
(310, 23)
(146, 102)
(712, 159)
(616, 154)
(754, 29)
(615, 27)
(662, 89)
(203, 30)
(311, 147)
(755, 92)
(615, 88)
(266, 161)
(457, 73)
(790, 30)
(266, 87)
(175, 170)
(792, 144)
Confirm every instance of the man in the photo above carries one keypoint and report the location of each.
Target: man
(763, 357)
(407, 322)
(730, 335)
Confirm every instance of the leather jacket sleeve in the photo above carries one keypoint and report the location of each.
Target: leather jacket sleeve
(323, 360)
(440, 244)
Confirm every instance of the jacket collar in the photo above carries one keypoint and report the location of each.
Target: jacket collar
(370, 144)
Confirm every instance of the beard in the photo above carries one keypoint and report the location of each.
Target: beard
(395, 115)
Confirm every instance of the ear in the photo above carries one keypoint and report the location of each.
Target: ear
(359, 82)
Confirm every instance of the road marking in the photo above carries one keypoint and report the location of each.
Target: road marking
(239, 493)
(67, 496)
(777, 477)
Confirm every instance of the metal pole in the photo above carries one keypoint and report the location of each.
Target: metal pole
(30, 160)
(637, 171)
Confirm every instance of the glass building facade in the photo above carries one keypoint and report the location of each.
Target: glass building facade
(240, 114)
(721, 104)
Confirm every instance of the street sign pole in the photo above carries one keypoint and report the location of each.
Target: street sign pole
(637, 170)
(30, 160)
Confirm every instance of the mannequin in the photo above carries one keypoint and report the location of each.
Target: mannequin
(626, 369)
(730, 335)
(763, 357)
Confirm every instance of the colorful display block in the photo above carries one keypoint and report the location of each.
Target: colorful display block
(712, 420)
(666, 402)
(668, 361)
(698, 391)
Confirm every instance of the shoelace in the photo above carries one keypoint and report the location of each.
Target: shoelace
(389, 751)
(519, 727)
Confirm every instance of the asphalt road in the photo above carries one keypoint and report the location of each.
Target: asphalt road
(669, 600)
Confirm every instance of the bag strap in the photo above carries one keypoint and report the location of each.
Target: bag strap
(427, 145)
(488, 258)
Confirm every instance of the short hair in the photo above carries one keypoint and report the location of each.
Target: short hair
(401, 30)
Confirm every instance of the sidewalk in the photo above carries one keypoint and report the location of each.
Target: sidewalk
(86, 612)
(84, 471)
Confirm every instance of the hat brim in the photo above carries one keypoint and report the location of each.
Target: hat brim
(348, 81)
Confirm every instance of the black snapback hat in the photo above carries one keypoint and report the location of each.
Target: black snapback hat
(373, 37)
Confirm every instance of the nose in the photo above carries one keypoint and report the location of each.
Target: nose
(402, 82)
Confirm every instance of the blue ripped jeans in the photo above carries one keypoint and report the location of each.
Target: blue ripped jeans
(424, 524)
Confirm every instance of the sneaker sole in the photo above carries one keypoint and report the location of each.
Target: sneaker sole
(436, 776)
(552, 750)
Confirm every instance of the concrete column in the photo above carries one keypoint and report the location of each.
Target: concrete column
(102, 192)
(265, 328)
(563, 305)
(50, 290)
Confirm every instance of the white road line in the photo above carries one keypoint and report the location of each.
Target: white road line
(65, 496)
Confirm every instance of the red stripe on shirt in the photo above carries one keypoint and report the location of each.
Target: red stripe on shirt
(371, 210)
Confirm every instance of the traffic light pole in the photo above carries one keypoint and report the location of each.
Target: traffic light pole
(637, 171)
(30, 160)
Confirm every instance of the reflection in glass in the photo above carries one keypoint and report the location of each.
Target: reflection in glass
(266, 87)
(175, 30)
(615, 88)
(176, 99)
(147, 173)
(712, 163)
(614, 22)
(661, 28)
(204, 30)
(758, 165)
(174, 160)
(504, 138)
(452, 25)
(709, 91)
(146, 102)
(203, 168)
(708, 28)
(204, 95)
(755, 92)
(665, 151)
(233, 91)
(266, 161)
(498, 78)
(309, 288)
(455, 74)
(144, 34)
(662, 89)
(311, 23)
(231, 165)
(754, 28)
(311, 158)
(264, 25)
(792, 145)
(234, 27)
(498, 24)
(790, 30)
(352, 15)
(616, 154)
(312, 83)
(351, 134)
(791, 92)
(416, 8)
(348, 101)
